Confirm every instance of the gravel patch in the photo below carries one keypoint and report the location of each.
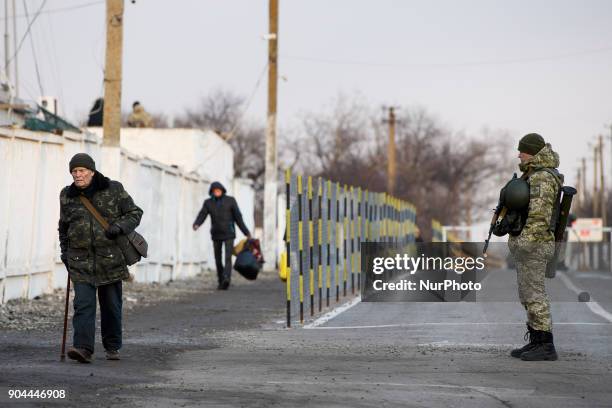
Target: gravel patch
(47, 311)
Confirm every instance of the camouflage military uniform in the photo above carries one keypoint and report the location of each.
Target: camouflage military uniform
(90, 256)
(534, 247)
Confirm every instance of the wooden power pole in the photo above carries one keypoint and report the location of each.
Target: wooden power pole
(584, 183)
(6, 40)
(391, 154)
(579, 201)
(112, 73)
(270, 185)
(602, 184)
(595, 190)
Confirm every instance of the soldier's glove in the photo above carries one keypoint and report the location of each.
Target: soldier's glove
(113, 231)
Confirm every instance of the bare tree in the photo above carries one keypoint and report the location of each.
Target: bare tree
(222, 111)
(446, 175)
(218, 111)
(333, 144)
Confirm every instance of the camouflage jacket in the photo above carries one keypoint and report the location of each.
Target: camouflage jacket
(543, 195)
(90, 256)
(139, 118)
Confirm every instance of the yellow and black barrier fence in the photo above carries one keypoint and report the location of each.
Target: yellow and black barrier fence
(326, 222)
(436, 229)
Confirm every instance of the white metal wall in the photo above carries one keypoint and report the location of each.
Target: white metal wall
(245, 196)
(33, 170)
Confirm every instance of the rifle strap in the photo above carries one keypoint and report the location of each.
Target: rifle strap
(90, 207)
(552, 173)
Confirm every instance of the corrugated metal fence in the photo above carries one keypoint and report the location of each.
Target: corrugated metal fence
(34, 168)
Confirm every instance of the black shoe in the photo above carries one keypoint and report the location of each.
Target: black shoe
(79, 354)
(112, 355)
(543, 350)
(528, 335)
(225, 284)
(220, 286)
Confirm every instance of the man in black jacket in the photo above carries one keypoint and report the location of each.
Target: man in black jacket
(224, 212)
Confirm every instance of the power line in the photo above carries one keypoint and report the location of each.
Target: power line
(27, 30)
(61, 9)
(248, 102)
(240, 117)
(447, 65)
(25, 8)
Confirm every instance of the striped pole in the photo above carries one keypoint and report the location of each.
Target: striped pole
(310, 248)
(352, 239)
(288, 242)
(329, 222)
(344, 243)
(301, 247)
(338, 242)
(359, 232)
(320, 242)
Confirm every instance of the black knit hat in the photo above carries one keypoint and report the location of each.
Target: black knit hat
(531, 143)
(82, 160)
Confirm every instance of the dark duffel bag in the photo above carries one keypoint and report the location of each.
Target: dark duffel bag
(246, 264)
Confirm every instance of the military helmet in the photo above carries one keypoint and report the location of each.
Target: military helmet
(516, 194)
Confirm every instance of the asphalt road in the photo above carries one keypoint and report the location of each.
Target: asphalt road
(222, 349)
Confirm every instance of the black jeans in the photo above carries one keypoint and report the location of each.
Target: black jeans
(224, 270)
(84, 319)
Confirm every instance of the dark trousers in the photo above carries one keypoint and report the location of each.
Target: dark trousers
(84, 319)
(224, 270)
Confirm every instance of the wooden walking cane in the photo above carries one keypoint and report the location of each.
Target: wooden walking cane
(63, 355)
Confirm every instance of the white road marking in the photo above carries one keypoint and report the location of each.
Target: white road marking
(595, 307)
(382, 326)
(592, 305)
(330, 315)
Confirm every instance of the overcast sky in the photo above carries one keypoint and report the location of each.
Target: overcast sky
(522, 66)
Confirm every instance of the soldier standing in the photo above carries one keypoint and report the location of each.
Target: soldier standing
(534, 247)
(93, 258)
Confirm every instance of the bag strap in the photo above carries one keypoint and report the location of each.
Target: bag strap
(552, 173)
(90, 207)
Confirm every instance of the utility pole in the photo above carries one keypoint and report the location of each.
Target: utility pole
(15, 67)
(584, 184)
(610, 137)
(6, 40)
(595, 190)
(391, 153)
(602, 185)
(112, 73)
(270, 185)
(579, 187)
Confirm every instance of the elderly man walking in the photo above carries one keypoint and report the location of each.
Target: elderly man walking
(92, 256)
(224, 212)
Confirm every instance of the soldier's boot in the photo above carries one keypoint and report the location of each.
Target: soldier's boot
(528, 335)
(544, 349)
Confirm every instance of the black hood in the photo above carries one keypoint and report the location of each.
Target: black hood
(98, 182)
(218, 185)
